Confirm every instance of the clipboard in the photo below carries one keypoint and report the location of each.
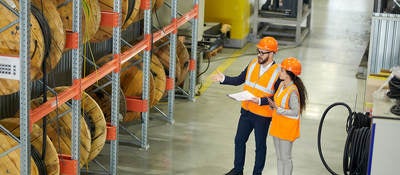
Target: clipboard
(242, 96)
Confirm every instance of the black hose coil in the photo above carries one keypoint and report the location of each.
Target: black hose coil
(356, 150)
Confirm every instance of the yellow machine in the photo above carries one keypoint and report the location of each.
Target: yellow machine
(233, 12)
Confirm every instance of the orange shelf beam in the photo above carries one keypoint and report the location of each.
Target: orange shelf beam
(125, 56)
(99, 74)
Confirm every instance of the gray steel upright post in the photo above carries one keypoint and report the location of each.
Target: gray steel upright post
(115, 91)
(172, 64)
(254, 30)
(192, 73)
(146, 77)
(76, 75)
(25, 86)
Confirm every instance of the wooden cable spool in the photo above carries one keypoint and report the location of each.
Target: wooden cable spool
(160, 79)
(140, 16)
(161, 50)
(51, 157)
(101, 92)
(182, 58)
(132, 82)
(59, 130)
(9, 46)
(158, 73)
(95, 120)
(53, 42)
(10, 164)
(130, 9)
(57, 33)
(134, 12)
(106, 32)
(90, 17)
(102, 95)
(131, 86)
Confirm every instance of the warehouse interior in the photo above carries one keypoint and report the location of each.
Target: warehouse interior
(109, 99)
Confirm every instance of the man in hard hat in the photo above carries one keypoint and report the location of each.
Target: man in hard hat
(260, 78)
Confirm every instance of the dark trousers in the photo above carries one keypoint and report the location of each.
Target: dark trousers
(247, 122)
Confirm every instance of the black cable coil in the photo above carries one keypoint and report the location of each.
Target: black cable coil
(39, 162)
(45, 28)
(356, 150)
(394, 88)
(394, 92)
(46, 31)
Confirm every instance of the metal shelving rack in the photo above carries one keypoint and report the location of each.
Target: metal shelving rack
(172, 64)
(172, 30)
(29, 117)
(289, 31)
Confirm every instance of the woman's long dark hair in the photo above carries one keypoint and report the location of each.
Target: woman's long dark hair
(302, 90)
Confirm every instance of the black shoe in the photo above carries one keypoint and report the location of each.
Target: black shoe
(234, 172)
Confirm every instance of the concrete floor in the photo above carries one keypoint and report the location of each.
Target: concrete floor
(201, 141)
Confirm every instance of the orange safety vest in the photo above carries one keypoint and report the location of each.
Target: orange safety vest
(260, 86)
(282, 126)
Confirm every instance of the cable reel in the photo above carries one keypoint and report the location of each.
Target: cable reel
(394, 92)
(356, 150)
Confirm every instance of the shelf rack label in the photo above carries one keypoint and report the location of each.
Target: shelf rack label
(9, 67)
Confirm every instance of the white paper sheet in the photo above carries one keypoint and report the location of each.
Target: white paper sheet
(242, 96)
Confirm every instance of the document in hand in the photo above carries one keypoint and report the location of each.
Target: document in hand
(242, 96)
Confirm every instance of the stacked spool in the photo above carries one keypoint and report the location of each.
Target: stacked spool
(129, 10)
(90, 17)
(134, 13)
(51, 161)
(9, 164)
(101, 93)
(59, 131)
(92, 131)
(133, 89)
(155, 5)
(162, 50)
(131, 13)
(46, 43)
(131, 77)
(95, 121)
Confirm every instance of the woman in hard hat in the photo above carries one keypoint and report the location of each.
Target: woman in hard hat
(288, 104)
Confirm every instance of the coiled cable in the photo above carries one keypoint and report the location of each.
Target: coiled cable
(39, 162)
(131, 7)
(356, 151)
(45, 28)
(46, 32)
(394, 92)
(394, 88)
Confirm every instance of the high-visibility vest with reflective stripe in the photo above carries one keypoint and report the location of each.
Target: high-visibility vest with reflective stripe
(260, 86)
(283, 126)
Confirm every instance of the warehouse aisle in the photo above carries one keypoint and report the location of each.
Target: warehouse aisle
(202, 139)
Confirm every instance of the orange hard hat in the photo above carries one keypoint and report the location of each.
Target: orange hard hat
(292, 64)
(268, 43)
